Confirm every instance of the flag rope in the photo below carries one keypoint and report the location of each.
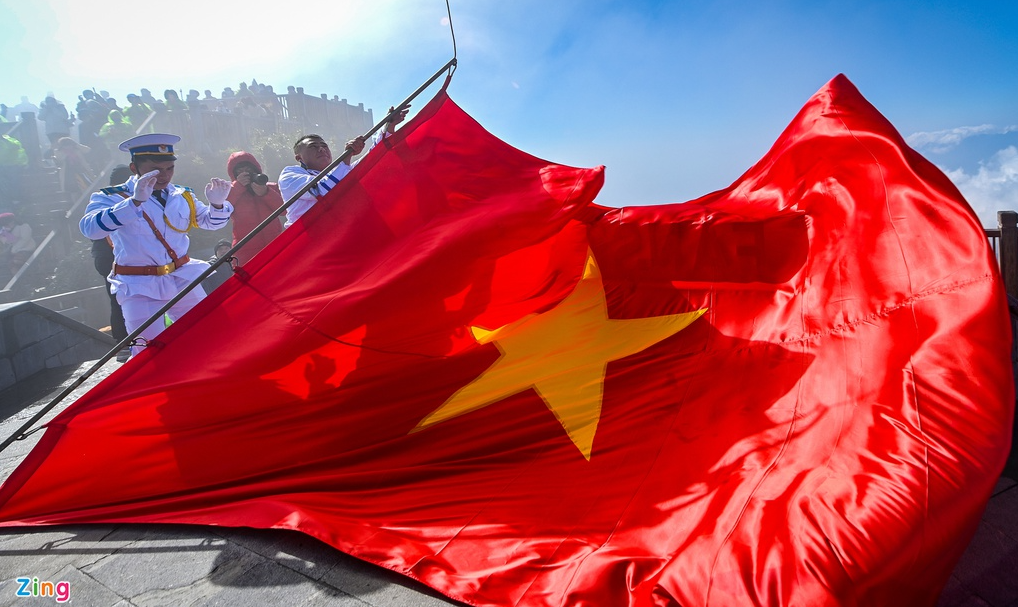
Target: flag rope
(26, 429)
(452, 33)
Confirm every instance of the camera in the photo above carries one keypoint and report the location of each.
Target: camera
(260, 178)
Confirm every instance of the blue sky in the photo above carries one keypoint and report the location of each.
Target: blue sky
(677, 99)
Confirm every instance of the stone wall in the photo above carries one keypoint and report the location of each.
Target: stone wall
(33, 338)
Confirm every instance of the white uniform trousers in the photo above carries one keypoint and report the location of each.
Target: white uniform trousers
(139, 308)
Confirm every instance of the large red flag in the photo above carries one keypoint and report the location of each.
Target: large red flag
(793, 391)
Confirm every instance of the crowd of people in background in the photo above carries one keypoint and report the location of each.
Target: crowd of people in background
(99, 122)
(80, 144)
(78, 141)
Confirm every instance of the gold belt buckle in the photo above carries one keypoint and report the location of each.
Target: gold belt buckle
(163, 270)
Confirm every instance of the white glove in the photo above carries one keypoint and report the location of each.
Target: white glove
(216, 191)
(144, 186)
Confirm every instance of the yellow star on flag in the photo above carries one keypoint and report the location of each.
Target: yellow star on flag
(562, 354)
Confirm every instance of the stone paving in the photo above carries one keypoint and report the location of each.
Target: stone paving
(185, 565)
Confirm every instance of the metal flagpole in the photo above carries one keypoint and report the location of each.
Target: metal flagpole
(24, 431)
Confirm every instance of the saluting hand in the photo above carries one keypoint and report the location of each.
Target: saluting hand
(216, 191)
(144, 186)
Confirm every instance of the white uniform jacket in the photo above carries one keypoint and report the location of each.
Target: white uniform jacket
(110, 212)
(293, 178)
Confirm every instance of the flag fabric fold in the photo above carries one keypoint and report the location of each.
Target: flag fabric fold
(796, 390)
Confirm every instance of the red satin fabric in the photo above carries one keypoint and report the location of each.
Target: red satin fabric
(826, 434)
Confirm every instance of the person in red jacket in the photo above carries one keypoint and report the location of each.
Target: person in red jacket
(254, 199)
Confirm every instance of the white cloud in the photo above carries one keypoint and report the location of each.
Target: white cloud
(942, 141)
(994, 187)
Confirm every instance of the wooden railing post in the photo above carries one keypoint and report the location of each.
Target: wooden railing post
(1008, 221)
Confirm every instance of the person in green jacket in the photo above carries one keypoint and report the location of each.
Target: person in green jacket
(138, 112)
(13, 161)
(12, 153)
(116, 129)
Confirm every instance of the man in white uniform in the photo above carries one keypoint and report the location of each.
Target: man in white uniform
(147, 220)
(314, 156)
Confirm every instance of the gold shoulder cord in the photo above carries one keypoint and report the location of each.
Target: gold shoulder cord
(193, 212)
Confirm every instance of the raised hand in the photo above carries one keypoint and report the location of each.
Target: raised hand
(396, 118)
(216, 191)
(144, 186)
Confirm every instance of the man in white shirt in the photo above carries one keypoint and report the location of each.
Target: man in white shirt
(314, 156)
(147, 220)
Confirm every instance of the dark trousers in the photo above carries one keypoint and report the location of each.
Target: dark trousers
(102, 257)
